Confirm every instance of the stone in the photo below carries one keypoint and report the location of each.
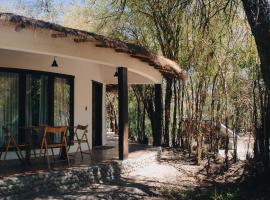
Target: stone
(71, 179)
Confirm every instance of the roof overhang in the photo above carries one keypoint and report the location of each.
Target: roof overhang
(36, 36)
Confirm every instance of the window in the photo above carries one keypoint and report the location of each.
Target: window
(36, 104)
(32, 98)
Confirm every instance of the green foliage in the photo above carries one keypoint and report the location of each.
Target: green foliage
(211, 41)
(132, 107)
(85, 16)
(133, 122)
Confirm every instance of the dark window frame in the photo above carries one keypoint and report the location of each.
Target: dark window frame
(22, 96)
(98, 141)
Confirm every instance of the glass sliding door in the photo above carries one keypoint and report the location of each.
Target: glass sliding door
(32, 98)
(9, 103)
(36, 108)
(62, 102)
(36, 100)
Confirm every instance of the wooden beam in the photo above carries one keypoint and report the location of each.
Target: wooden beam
(123, 112)
(158, 115)
(102, 45)
(19, 27)
(58, 35)
(119, 50)
(79, 40)
(140, 56)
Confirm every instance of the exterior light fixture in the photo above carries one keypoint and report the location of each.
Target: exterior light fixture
(54, 64)
(116, 74)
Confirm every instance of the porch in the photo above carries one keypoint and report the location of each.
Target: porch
(106, 154)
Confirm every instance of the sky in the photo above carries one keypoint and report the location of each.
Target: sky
(10, 2)
(9, 6)
(5, 2)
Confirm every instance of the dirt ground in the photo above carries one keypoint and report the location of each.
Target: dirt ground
(174, 170)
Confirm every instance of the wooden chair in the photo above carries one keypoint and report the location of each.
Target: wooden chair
(80, 137)
(46, 144)
(10, 143)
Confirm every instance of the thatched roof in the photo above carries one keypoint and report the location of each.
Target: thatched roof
(167, 67)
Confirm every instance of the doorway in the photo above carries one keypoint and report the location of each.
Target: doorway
(97, 91)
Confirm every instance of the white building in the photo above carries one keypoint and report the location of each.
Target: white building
(34, 93)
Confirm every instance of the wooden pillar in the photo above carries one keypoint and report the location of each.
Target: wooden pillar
(123, 112)
(158, 115)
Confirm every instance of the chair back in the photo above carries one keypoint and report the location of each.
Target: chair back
(81, 138)
(50, 132)
(7, 132)
(55, 130)
(82, 128)
(10, 142)
(80, 131)
(8, 135)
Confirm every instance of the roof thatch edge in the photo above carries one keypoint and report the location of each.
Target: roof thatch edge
(168, 68)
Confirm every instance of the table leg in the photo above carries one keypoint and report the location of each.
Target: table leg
(63, 154)
(28, 149)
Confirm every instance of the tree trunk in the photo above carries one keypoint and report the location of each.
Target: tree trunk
(168, 98)
(139, 121)
(143, 123)
(258, 15)
(174, 142)
(199, 148)
(266, 136)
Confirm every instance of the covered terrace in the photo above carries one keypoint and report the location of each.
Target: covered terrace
(72, 91)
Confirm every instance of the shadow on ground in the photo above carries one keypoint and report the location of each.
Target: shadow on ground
(222, 184)
(253, 189)
(192, 182)
(117, 189)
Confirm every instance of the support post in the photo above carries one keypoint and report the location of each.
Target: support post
(158, 115)
(123, 112)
